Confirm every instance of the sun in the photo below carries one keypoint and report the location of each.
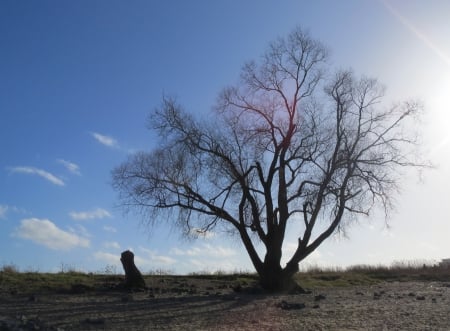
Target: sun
(438, 96)
(440, 118)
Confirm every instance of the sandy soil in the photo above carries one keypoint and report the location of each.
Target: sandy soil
(193, 304)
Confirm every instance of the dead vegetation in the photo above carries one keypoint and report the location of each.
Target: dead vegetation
(359, 298)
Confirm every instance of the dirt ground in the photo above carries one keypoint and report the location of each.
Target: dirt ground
(199, 304)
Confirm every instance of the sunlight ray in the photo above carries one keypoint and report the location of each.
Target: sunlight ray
(418, 33)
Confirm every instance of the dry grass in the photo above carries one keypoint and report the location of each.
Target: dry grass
(371, 274)
(315, 277)
(400, 297)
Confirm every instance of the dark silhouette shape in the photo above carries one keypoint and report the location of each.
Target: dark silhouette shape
(133, 277)
(291, 148)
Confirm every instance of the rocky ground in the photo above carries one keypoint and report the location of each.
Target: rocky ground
(176, 303)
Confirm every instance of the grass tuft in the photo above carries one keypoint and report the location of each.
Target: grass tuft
(68, 279)
(415, 270)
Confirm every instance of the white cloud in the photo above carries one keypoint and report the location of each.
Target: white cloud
(80, 230)
(111, 244)
(205, 250)
(42, 173)
(70, 166)
(207, 257)
(46, 233)
(108, 258)
(198, 233)
(109, 229)
(105, 140)
(152, 258)
(3, 211)
(149, 260)
(98, 213)
(289, 249)
(209, 266)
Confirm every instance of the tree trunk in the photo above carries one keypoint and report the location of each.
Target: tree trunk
(133, 277)
(275, 279)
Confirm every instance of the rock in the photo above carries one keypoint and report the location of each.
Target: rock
(420, 297)
(95, 321)
(133, 277)
(237, 288)
(289, 306)
(79, 289)
(319, 297)
(32, 298)
(299, 290)
(126, 298)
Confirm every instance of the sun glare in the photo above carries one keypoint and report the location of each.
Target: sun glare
(438, 97)
(441, 119)
(418, 33)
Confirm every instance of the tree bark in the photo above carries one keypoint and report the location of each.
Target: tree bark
(133, 277)
(276, 279)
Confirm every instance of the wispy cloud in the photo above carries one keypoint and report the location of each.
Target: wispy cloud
(8, 209)
(108, 258)
(98, 213)
(152, 258)
(105, 140)
(147, 260)
(80, 231)
(205, 250)
(111, 244)
(3, 211)
(45, 232)
(39, 172)
(207, 258)
(108, 228)
(198, 233)
(70, 166)
(212, 265)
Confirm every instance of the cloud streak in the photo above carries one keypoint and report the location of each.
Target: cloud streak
(105, 140)
(205, 250)
(39, 172)
(151, 258)
(111, 244)
(70, 166)
(44, 232)
(3, 211)
(98, 213)
(418, 33)
(108, 228)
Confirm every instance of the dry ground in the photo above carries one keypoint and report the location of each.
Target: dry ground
(189, 303)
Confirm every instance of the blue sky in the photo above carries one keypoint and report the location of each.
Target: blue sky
(79, 78)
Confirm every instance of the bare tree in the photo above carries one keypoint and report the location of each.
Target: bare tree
(291, 144)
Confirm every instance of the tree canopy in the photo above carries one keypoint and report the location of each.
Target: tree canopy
(292, 143)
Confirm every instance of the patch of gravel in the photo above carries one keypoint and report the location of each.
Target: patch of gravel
(186, 306)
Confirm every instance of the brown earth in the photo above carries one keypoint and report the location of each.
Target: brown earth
(177, 303)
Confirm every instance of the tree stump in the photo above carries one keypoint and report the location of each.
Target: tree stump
(133, 277)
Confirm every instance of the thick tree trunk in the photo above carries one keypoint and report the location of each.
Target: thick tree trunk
(275, 279)
(278, 281)
(272, 276)
(133, 277)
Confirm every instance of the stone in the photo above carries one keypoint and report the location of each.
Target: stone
(289, 306)
(133, 277)
(319, 297)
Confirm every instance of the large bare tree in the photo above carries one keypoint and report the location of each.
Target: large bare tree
(291, 145)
